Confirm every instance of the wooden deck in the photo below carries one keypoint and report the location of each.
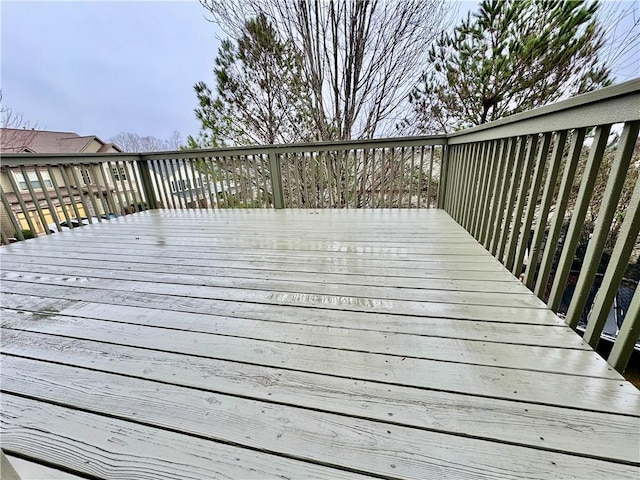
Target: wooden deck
(295, 344)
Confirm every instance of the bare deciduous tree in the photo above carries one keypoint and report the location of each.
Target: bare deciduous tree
(360, 58)
(132, 142)
(17, 133)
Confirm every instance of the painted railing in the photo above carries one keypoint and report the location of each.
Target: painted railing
(43, 194)
(385, 173)
(525, 187)
(528, 186)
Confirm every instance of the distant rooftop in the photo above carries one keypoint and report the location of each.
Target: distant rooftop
(43, 141)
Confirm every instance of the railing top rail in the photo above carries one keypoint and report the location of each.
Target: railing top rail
(614, 104)
(303, 147)
(14, 159)
(41, 159)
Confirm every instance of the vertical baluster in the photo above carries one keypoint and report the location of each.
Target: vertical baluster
(382, 175)
(545, 205)
(412, 172)
(126, 190)
(34, 199)
(465, 179)
(167, 167)
(615, 183)
(112, 205)
(304, 175)
(299, 175)
(627, 238)
(47, 198)
(485, 178)
(23, 206)
(287, 177)
(356, 169)
(76, 182)
(190, 199)
(86, 179)
(579, 212)
(100, 193)
(470, 208)
(442, 193)
(485, 206)
(456, 179)
(158, 184)
(452, 176)
(138, 185)
(115, 177)
(401, 185)
(501, 200)
(510, 200)
(195, 177)
(521, 198)
(181, 194)
(207, 178)
(54, 182)
(538, 173)
(628, 335)
(72, 196)
(502, 160)
(420, 175)
(10, 213)
(571, 164)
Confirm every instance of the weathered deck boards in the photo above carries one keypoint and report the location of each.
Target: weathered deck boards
(301, 344)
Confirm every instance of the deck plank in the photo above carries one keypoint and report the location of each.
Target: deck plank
(611, 395)
(267, 335)
(297, 343)
(112, 448)
(539, 426)
(279, 320)
(328, 439)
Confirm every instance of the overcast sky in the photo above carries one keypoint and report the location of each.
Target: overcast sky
(100, 68)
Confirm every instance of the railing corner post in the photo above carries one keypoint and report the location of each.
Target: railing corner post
(443, 176)
(147, 183)
(275, 173)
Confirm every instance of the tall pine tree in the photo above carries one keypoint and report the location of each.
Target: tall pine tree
(260, 94)
(508, 57)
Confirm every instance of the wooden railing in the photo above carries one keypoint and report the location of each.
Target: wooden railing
(46, 193)
(387, 173)
(524, 187)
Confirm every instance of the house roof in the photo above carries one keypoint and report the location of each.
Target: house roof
(43, 141)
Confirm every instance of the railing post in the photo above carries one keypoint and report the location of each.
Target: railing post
(147, 184)
(444, 169)
(275, 172)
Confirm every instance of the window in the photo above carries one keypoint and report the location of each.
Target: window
(86, 178)
(33, 179)
(119, 173)
(180, 185)
(199, 182)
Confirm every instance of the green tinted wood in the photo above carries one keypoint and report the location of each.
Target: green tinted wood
(628, 336)
(509, 214)
(533, 195)
(547, 199)
(521, 199)
(608, 208)
(571, 164)
(577, 218)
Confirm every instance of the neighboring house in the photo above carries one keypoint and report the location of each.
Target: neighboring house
(14, 183)
(180, 184)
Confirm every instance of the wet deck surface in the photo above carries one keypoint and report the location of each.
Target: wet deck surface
(295, 344)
